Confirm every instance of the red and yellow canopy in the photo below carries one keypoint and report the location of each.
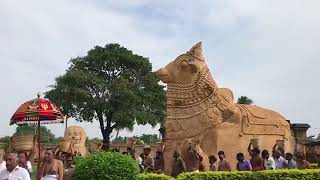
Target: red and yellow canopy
(37, 110)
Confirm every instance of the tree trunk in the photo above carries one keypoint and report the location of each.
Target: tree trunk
(105, 130)
(105, 145)
(162, 131)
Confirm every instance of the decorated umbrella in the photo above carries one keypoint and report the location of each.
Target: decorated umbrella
(37, 111)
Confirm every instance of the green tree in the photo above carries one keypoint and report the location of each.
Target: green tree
(244, 100)
(149, 138)
(113, 85)
(46, 135)
(120, 140)
(5, 139)
(56, 140)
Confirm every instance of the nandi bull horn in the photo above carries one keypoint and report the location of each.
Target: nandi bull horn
(196, 51)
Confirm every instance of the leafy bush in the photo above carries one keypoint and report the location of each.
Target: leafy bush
(248, 175)
(106, 166)
(152, 176)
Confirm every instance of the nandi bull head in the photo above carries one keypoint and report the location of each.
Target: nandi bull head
(185, 68)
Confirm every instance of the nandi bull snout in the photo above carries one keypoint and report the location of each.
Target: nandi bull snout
(163, 75)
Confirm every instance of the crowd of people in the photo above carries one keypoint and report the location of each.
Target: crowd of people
(259, 161)
(52, 167)
(145, 162)
(60, 166)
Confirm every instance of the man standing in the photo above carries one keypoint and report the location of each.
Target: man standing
(24, 162)
(269, 163)
(279, 160)
(147, 160)
(50, 168)
(256, 161)
(291, 164)
(178, 165)
(301, 162)
(69, 169)
(158, 162)
(193, 159)
(13, 171)
(223, 164)
(212, 161)
(243, 165)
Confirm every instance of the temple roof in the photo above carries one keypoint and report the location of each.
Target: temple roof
(300, 125)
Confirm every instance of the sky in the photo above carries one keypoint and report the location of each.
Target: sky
(267, 50)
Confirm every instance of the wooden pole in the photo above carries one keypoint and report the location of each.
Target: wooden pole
(39, 143)
(38, 136)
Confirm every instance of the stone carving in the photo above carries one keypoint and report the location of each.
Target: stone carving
(74, 141)
(200, 111)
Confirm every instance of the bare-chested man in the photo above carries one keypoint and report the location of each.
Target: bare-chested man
(223, 164)
(256, 161)
(50, 168)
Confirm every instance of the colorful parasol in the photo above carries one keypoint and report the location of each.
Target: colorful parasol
(37, 110)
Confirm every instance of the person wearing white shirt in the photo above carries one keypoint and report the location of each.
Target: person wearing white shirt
(279, 160)
(269, 163)
(13, 171)
(24, 163)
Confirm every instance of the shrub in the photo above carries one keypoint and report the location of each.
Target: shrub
(106, 166)
(152, 176)
(248, 175)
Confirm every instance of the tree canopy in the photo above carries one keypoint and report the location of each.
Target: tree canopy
(244, 100)
(120, 140)
(143, 139)
(113, 85)
(5, 139)
(46, 135)
(149, 138)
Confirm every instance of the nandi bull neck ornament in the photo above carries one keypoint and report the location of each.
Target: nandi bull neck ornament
(202, 115)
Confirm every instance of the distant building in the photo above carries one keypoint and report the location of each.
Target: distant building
(298, 136)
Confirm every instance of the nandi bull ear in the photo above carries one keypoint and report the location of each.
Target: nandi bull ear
(196, 51)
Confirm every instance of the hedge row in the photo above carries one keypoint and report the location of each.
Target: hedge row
(151, 176)
(114, 166)
(248, 175)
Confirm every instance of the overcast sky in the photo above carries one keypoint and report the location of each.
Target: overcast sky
(267, 50)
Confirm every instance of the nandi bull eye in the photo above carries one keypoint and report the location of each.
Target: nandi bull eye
(184, 64)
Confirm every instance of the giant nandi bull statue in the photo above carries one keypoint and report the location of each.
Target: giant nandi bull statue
(199, 111)
(74, 141)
